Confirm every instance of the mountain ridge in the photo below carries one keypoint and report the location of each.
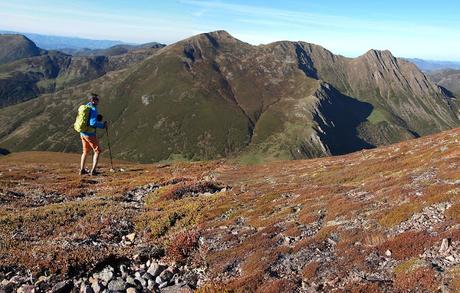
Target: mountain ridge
(15, 47)
(26, 76)
(212, 96)
(53, 42)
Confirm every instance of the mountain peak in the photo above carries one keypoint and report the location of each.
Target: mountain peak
(15, 47)
(220, 34)
(378, 53)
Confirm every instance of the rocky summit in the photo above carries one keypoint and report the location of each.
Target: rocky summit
(212, 96)
(380, 220)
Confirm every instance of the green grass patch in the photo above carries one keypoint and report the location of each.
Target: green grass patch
(377, 116)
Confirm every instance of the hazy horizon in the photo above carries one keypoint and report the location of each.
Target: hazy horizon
(413, 29)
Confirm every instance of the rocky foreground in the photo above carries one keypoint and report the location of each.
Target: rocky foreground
(382, 220)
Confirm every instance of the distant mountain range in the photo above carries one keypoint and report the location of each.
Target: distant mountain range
(50, 42)
(448, 78)
(27, 71)
(111, 51)
(213, 96)
(430, 65)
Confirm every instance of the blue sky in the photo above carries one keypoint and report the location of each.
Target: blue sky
(424, 29)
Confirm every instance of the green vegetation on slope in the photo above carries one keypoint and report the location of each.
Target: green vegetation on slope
(212, 96)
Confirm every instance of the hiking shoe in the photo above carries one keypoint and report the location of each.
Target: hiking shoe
(94, 173)
(82, 172)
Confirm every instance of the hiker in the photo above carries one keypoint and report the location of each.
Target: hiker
(88, 120)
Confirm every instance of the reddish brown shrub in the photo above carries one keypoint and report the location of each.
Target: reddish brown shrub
(420, 280)
(408, 244)
(363, 288)
(280, 285)
(309, 271)
(182, 245)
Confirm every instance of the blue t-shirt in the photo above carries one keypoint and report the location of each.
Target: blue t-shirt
(93, 123)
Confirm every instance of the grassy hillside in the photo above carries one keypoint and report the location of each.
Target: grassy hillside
(450, 79)
(213, 96)
(29, 75)
(382, 220)
(15, 47)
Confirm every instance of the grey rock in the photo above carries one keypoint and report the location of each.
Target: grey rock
(130, 281)
(117, 285)
(26, 289)
(151, 285)
(7, 287)
(445, 244)
(131, 237)
(450, 258)
(86, 288)
(162, 285)
(41, 280)
(106, 274)
(124, 271)
(151, 252)
(158, 280)
(131, 290)
(18, 279)
(156, 269)
(148, 276)
(63, 287)
(96, 286)
(191, 279)
(177, 288)
(166, 275)
(142, 282)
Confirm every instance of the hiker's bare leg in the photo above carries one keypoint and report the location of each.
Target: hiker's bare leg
(83, 161)
(95, 161)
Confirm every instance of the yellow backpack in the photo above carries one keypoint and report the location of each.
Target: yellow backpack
(82, 121)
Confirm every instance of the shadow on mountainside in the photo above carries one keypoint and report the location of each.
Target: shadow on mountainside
(448, 92)
(339, 116)
(4, 152)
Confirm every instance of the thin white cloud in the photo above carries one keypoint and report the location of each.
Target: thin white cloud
(341, 34)
(251, 23)
(276, 17)
(93, 24)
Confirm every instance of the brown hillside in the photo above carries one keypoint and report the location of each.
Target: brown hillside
(382, 220)
(213, 96)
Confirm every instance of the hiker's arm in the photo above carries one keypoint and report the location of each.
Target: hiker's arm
(93, 120)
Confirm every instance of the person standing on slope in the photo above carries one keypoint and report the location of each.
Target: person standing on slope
(88, 136)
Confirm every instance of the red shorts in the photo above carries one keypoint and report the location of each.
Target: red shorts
(90, 143)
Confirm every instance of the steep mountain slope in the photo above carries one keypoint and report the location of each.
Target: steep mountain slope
(51, 71)
(212, 95)
(15, 47)
(381, 220)
(450, 79)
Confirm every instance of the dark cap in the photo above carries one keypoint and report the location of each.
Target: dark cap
(92, 96)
